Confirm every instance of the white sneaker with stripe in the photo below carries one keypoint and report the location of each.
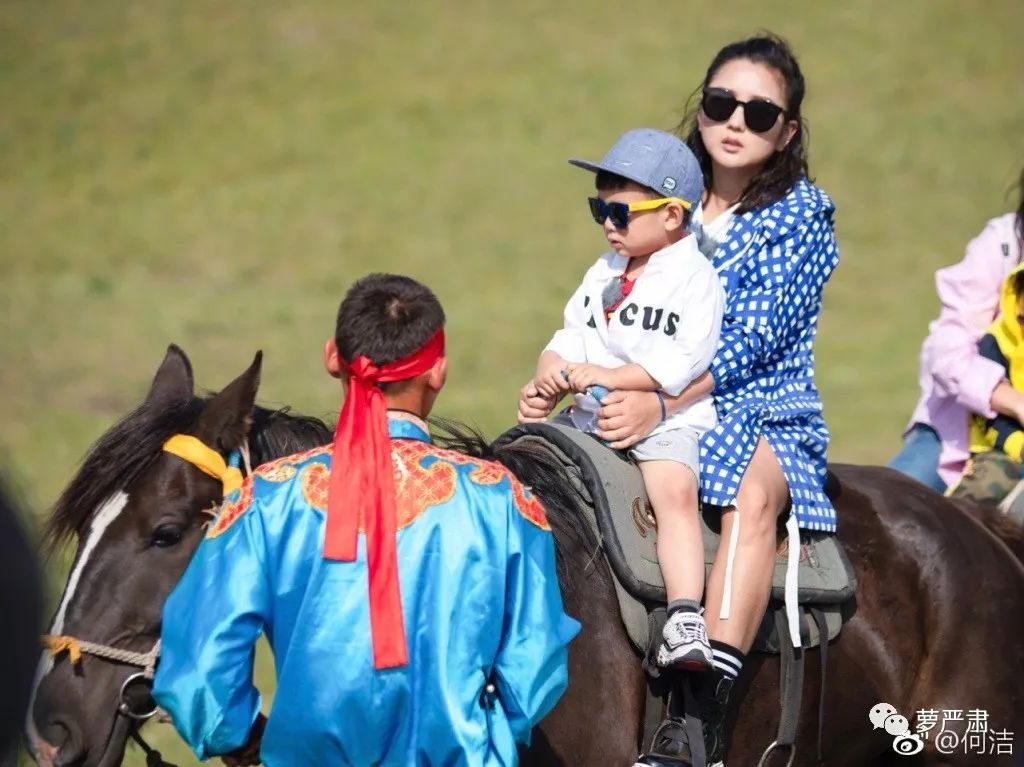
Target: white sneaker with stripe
(685, 642)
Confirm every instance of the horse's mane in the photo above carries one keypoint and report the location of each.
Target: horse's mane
(539, 470)
(129, 447)
(277, 433)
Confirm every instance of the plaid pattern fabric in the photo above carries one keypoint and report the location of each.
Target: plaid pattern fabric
(773, 264)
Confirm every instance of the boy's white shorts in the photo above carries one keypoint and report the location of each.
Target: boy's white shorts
(679, 445)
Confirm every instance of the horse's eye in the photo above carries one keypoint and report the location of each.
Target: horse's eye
(166, 535)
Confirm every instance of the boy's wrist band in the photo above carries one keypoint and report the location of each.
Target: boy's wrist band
(661, 401)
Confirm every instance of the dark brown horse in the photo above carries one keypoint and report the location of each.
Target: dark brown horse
(937, 625)
(937, 622)
(138, 515)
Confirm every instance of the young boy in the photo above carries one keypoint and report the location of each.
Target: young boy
(997, 443)
(647, 318)
(410, 597)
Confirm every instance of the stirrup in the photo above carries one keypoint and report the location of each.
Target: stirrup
(670, 745)
(647, 760)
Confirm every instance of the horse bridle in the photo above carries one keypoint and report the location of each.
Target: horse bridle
(192, 450)
(146, 661)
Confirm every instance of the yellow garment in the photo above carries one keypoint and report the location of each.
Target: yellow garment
(1008, 335)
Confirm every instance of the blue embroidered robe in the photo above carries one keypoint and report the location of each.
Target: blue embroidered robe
(481, 604)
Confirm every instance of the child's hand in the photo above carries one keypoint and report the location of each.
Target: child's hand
(549, 379)
(533, 406)
(551, 386)
(585, 375)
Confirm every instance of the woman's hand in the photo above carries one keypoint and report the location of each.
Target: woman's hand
(534, 407)
(626, 417)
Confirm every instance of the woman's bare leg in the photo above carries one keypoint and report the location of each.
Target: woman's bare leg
(763, 495)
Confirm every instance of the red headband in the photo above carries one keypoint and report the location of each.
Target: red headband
(362, 492)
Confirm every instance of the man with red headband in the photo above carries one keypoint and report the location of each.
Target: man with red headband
(408, 592)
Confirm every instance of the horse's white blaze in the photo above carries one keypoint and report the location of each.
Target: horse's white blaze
(101, 520)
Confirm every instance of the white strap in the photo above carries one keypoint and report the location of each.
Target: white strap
(792, 578)
(734, 536)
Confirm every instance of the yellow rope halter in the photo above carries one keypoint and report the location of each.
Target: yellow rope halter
(206, 459)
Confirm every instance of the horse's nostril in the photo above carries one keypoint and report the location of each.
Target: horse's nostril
(42, 751)
(56, 734)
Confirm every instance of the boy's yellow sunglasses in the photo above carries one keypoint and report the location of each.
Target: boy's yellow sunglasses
(619, 212)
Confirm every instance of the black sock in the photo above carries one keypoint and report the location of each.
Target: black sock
(727, 659)
(685, 605)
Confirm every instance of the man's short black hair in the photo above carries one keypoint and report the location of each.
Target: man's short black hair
(386, 317)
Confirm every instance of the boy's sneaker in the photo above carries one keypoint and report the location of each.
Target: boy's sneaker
(685, 642)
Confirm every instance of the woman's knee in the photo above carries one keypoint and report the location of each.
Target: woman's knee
(763, 493)
(758, 510)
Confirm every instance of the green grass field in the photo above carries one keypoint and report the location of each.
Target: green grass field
(216, 175)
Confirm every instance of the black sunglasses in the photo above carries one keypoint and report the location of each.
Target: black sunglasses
(760, 115)
(618, 212)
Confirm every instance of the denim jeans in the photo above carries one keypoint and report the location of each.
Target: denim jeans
(919, 457)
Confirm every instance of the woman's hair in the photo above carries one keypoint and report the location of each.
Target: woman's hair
(783, 169)
(1017, 284)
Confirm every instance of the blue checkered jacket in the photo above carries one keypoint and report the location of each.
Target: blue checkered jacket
(773, 264)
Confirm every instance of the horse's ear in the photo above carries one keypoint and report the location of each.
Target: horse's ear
(173, 382)
(225, 421)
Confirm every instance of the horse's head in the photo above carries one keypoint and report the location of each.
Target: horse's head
(138, 514)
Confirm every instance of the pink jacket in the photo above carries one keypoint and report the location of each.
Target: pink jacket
(954, 379)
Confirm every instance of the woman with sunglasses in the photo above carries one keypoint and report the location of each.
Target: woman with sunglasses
(768, 231)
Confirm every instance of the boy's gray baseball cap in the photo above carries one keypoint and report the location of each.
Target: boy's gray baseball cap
(655, 159)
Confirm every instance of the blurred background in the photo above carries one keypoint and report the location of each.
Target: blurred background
(217, 174)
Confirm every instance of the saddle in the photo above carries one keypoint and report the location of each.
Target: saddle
(613, 501)
(611, 498)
